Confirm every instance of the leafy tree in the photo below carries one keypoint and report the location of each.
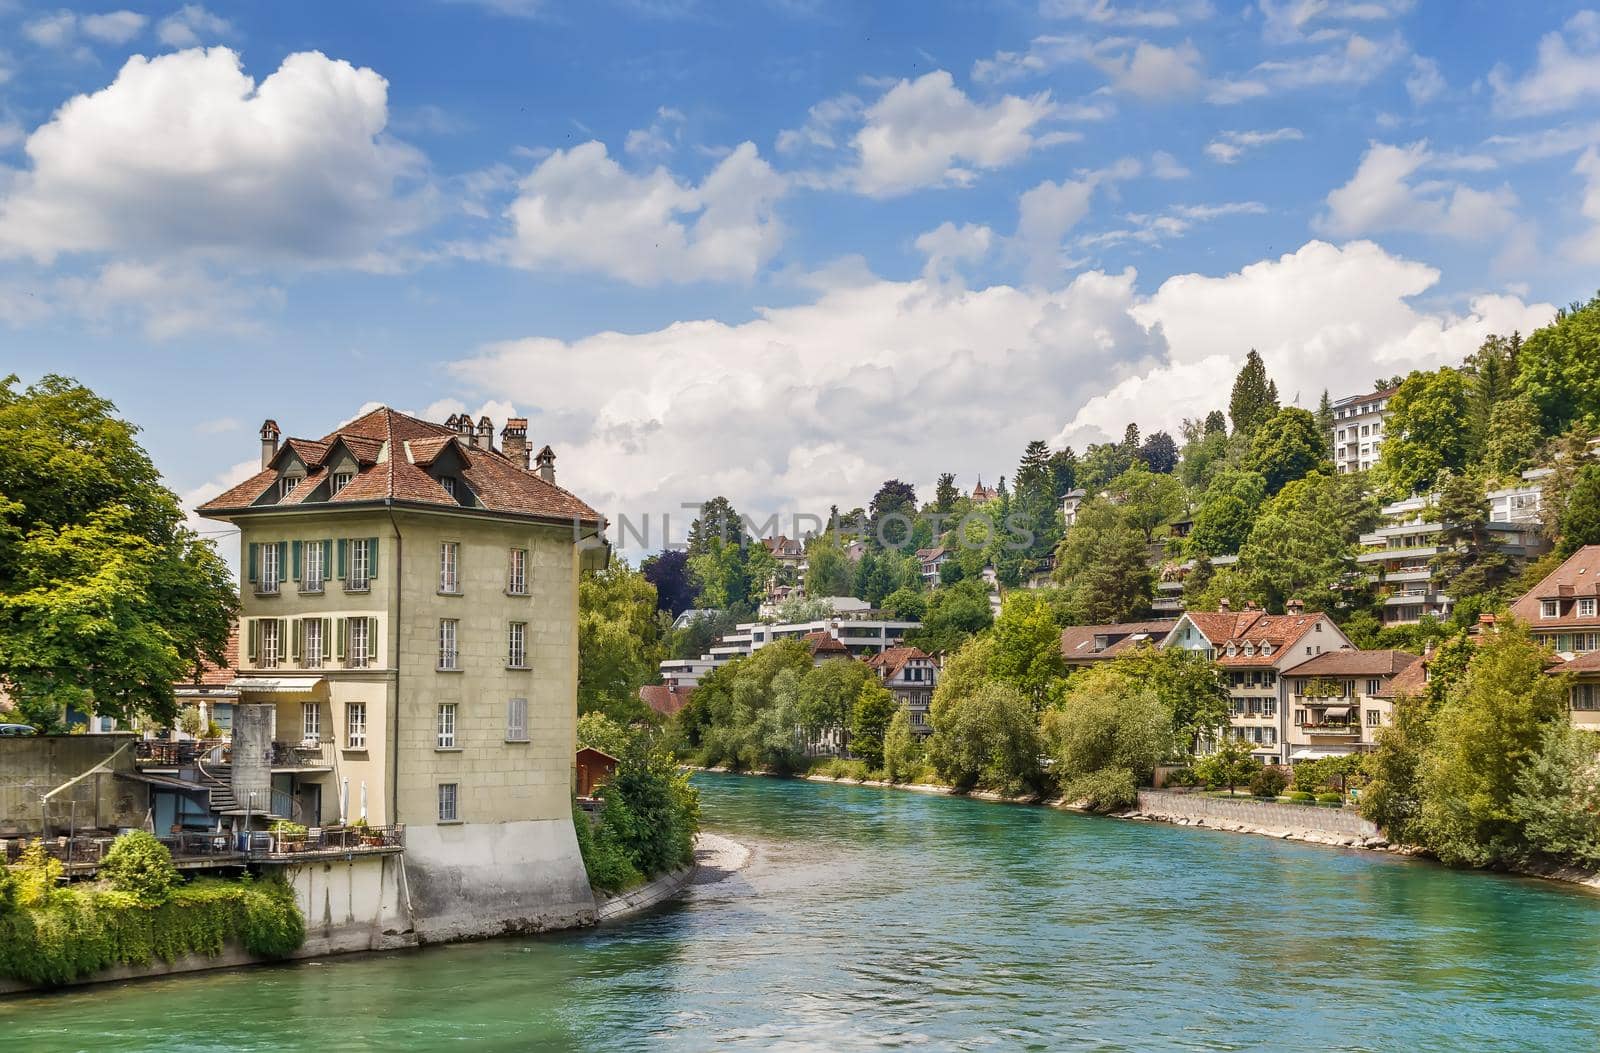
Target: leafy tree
(1102, 560)
(1254, 399)
(1393, 794)
(894, 498)
(1227, 511)
(1103, 462)
(668, 571)
(829, 571)
(598, 731)
(945, 494)
(718, 521)
(106, 599)
(1230, 763)
(140, 866)
(1327, 423)
(1159, 453)
(1472, 562)
(1559, 369)
(1107, 720)
(874, 709)
(699, 633)
(721, 717)
(954, 614)
(1580, 518)
(1292, 553)
(1205, 453)
(1557, 798)
(620, 643)
(1064, 465)
(1289, 447)
(1216, 423)
(1187, 683)
(902, 750)
(907, 603)
(986, 738)
(1512, 439)
(651, 809)
(1146, 499)
(1027, 646)
(827, 698)
(1488, 730)
(1428, 430)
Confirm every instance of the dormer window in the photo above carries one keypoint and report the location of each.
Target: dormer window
(1249, 648)
(1549, 609)
(1232, 650)
(1586, 608)
(342, 480)
(287, 484)
(1266, 649)
(449, 484)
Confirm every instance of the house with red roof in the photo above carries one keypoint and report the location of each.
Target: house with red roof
(910, 674)
(1339, 699)
(1563, 610)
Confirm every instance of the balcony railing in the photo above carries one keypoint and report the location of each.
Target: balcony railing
(302, 754)
(159, 753)
(327, 839)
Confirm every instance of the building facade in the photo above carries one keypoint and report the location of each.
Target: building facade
(409, 630)
(1339, 699)
(1358, 429)
(1563, 611)
(910, 674)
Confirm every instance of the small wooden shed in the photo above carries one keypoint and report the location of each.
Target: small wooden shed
(594, 768)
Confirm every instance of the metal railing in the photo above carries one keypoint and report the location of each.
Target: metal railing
(326, 839)
(159, 753)
(302, 754)
(89, 850)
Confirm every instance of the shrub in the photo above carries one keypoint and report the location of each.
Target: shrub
(140, 866)
(37, 875)
(1182, 777)
(1106, 790)
(1301, 797)
(1268, 782)
(1330, 798)
(604, 859)
(8, 890)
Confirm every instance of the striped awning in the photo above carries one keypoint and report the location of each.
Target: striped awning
(277, 685)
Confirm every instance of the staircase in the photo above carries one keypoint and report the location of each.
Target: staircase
(218, 781)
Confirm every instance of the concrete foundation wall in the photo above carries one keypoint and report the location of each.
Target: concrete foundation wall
(31, 766)
(487, 879)
(1332, 822)
(354, 904)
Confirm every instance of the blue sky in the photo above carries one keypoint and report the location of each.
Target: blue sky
(781, 250)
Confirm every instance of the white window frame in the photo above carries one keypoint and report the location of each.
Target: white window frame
(269, 572)
(450, 567)
(449, 484)
(270, 651)
(360, 578)
(1549, 609)
(355, 725)
(517, 645)
(359, 651)
(449, 644)
(517, 720)
(311, 722)
(313, 648)
(449, 802)
(446, 726)
(1374, 686)
(341, 480)
(1586, 608)
(286, 485)
(314, 571)
(1374, 718)
(517, 573)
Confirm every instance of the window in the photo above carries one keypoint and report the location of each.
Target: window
(1374, 686)
(447, 802)
(517, 574)
(311, 650)
(447, 725)
(1586, 608)
(355, 725)
(267, 656)
(449, 484)
(316, 567)
(1372, 718)
(449, 556)
(517, 720)
(287, 484)
(516, 645)
(1300, 717)
(1269, 707)
(360, 653)
(1270, 736)
(447, 643)
(310, 722)
(362, 551)
(342, 480)
(267, 580)
(1549, 609)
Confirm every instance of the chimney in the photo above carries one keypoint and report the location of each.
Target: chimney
(269, 442)
(1295, 606)
(1224, 606)
(450, 422)
(485, 437)
(514, 441)
(545, 464)
(463, 426)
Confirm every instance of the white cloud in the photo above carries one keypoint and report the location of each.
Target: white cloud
(1324, 318)
(192, 25)
(1426, 83)
(822, 122)
(1230, 146)
(63, 28)
(185, 153)
(1356, 61)
(660, 139)
(1585, 247)
(1160, 15)
(1164, 166)
(580, 210)
(947, 246)
(1566, 73)
(1382, 196)
(1150, 71)
(1174, 222)
(911, 373)
(927, 132)
(1132, 67)
(1288, 21)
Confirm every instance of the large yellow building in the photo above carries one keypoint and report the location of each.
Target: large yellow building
(409, 622)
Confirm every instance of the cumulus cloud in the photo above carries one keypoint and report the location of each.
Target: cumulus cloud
(1228, 147)
(1425, 83)
(1132, 67)
(65, 29)
(1320, 316)
(1114, 13)
(1566, 72)
(192, 25)
(165, 301)
(1288, 21)
(580, 210)
(947, 246)
(184, 153)
(1351, 59)
(1383, 196)
(658, 140)
(876, 379)
(1164, 166)
(1585, 247)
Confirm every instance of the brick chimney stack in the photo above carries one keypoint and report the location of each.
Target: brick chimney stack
(1295, 606)
(463, 426)
(514, 441)
(269, 442)
(485, 437)
(545, 464)
(1224, 605)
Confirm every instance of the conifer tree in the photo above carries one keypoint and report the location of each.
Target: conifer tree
(1255, 397)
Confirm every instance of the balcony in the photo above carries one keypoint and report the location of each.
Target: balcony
(153, 753)
(325, 842)
(302, 756)
(1349, 729)
(1380, 555)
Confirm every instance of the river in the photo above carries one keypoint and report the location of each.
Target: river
(872, 918)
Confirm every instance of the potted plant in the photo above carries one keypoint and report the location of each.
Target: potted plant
(287, 836)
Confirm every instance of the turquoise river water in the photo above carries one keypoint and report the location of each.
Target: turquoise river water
(878, 918)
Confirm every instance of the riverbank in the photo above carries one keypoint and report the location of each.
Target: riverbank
(715, 858)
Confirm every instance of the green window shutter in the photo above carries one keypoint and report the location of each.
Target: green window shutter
(294, 550)
(327, 640)
(344, 548)
(255, 554)
(372, 557)
(253, 639)
(373, 650)
(339, 625)
(297, 638)
(283, 563)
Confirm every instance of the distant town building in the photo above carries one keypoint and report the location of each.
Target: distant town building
(1087, 645)
(932, 560)
(1338, 700)
(1563, 610)
(910, 674)
(1358, 429)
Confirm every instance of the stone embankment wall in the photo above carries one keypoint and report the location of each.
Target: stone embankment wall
(1303, 821)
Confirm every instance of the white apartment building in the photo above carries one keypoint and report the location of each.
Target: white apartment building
(1358, 429)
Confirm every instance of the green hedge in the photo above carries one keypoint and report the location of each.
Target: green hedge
(79, 930)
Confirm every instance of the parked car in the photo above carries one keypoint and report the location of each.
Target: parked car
(17, 729)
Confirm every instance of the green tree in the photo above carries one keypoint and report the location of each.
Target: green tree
(598, 731)
(1103, 462)
(1513, 436)
(1254, 399)
(651, 809)
(668, 571)
(1557, 798)
(1186, 682)
(1159, 453)
(907, 603)
(140, 866)
(1559, 369)
(945, 494)
(1227, 512)
(902, 750)
(1327, 424)
(620, 641)
(893, 499)
(106, 599)
(829, 571)
(718, 521)
(1230, 763)
(1292, 553)
(874, 709)
(827, 698)
(1393, 794)
(1104, 563)
(987, 738)
(955, 613)
(1428, 430)
(1146, 499)
(1488, 729)
(1580, 516)
(1027, 646)
(1107, 720)
(1471, 562)
(1289, 447)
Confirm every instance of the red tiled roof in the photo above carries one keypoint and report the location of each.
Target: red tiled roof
(213, 675)
(1078, 641)
(308, 450)
(664, 699)
(1411, 681)
(819, 642)
(1578, 576)
(894, 659)
(388, 446)
(1354, 663)
(1584, 663)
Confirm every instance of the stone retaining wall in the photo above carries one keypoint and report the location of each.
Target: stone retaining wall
(1264, 815)
(644, 897)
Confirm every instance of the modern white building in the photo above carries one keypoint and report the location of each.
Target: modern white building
(1358, 429)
